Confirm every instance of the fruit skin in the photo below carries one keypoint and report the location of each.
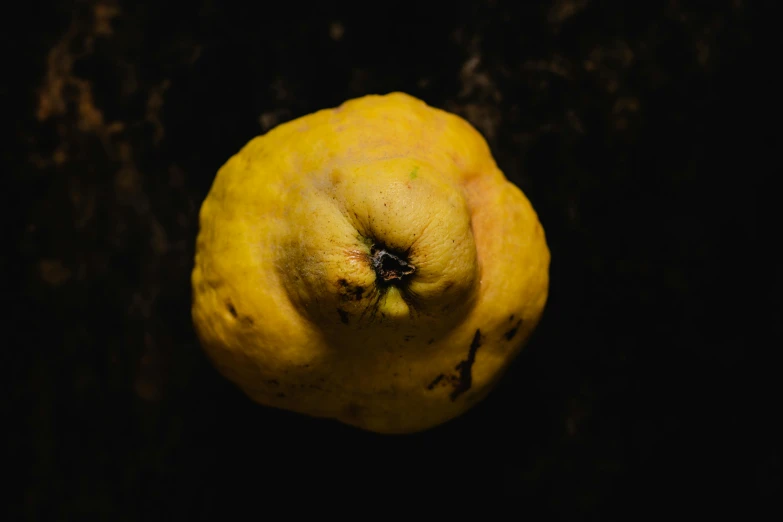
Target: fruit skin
(287, 302)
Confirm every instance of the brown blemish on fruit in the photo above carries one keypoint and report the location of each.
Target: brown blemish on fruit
(464, 379)
(435, 381)
(511, 333)
(348, 292)
(247, 320)
(343, 315)
(465, 368)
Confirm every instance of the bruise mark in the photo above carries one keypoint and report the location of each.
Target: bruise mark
(273, 382)
(435, 381)
(343, 315)
(510, 318)
(408, 338)
(511, 333)
(465, 368)
(431, 341)
(348, 293)
(231, 309)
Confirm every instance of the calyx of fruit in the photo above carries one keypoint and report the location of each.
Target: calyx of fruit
(390, 268)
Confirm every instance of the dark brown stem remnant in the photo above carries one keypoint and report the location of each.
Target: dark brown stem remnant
(390, 267)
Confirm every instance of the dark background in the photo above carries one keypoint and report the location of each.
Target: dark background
(642, 133)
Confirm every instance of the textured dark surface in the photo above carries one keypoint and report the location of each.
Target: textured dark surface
(641, 135)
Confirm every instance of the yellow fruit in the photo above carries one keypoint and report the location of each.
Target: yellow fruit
(368, 263)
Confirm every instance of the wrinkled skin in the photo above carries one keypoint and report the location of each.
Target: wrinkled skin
(370, 264)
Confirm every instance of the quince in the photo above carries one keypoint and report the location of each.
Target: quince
(370, 264)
